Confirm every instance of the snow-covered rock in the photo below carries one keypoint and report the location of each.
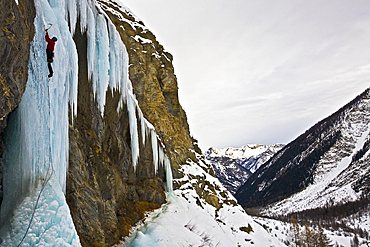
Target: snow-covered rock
(233, 166)
(201, 212)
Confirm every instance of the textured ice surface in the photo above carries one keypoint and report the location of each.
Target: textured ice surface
(51, 224)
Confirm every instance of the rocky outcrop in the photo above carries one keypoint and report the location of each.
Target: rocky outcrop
(105, 193)
(16, 33)
(152, 75)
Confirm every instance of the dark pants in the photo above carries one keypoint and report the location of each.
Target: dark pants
(50, 55)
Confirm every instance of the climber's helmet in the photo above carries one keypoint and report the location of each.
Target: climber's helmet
(54, 39)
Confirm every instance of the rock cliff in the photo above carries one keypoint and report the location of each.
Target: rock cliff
(16, 33)
(155, 85)
(106, 195)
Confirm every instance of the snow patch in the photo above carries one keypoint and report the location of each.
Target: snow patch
(188, 220)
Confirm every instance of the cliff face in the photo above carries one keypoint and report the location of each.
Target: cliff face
(16, 33)
(155, 85)
(106, 194)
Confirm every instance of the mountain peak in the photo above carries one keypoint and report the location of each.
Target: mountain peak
(233, 166)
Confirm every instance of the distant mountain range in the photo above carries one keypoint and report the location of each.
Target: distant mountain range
(233, 166)
(327, 166)
(322, 177)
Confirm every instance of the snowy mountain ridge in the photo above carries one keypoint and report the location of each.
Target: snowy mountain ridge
(324, 167)
(233, 166)
(245, 151)
(339, 177)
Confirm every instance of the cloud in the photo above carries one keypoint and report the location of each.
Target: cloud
(261, 71)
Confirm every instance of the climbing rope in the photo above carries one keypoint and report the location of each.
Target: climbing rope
(47, 179)
(37, 202)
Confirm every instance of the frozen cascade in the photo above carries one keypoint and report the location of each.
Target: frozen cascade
(39, 127)
(36, 141)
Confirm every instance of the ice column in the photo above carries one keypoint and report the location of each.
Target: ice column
(36, 140)
(131, 107)
(154, 149)
(167, 166)
(164, 161)
(62, 86)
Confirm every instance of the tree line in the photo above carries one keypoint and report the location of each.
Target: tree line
(308, 237)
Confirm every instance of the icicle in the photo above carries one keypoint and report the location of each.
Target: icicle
(167, 166)
(160, 156)
(131, 107)
(155, 150)
(91, 56)
(115, 57)
(164, 161)
(83, 13)
(71, 14)
(143, 127)
(101, 61)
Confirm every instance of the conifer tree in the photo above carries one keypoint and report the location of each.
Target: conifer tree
(294, 233)
(354, 242)
(308, 237)
(322, 239)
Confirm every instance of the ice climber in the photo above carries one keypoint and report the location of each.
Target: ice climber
(50, 51)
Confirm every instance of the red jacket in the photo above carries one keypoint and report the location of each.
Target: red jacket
(51, 42)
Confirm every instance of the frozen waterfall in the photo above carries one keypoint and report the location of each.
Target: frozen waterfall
(36, 143)
(35, 160)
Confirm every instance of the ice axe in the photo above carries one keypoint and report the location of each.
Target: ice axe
(46, 30)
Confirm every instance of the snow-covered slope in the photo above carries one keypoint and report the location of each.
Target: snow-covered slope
(190, 219)
(325, 166)
(338, 177)
(233, 166)
(337, 237)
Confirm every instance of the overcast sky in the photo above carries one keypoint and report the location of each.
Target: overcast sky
(261, 71)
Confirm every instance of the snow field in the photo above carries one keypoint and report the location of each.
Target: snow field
(188, 220)
(51, 224)
(281, 230)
